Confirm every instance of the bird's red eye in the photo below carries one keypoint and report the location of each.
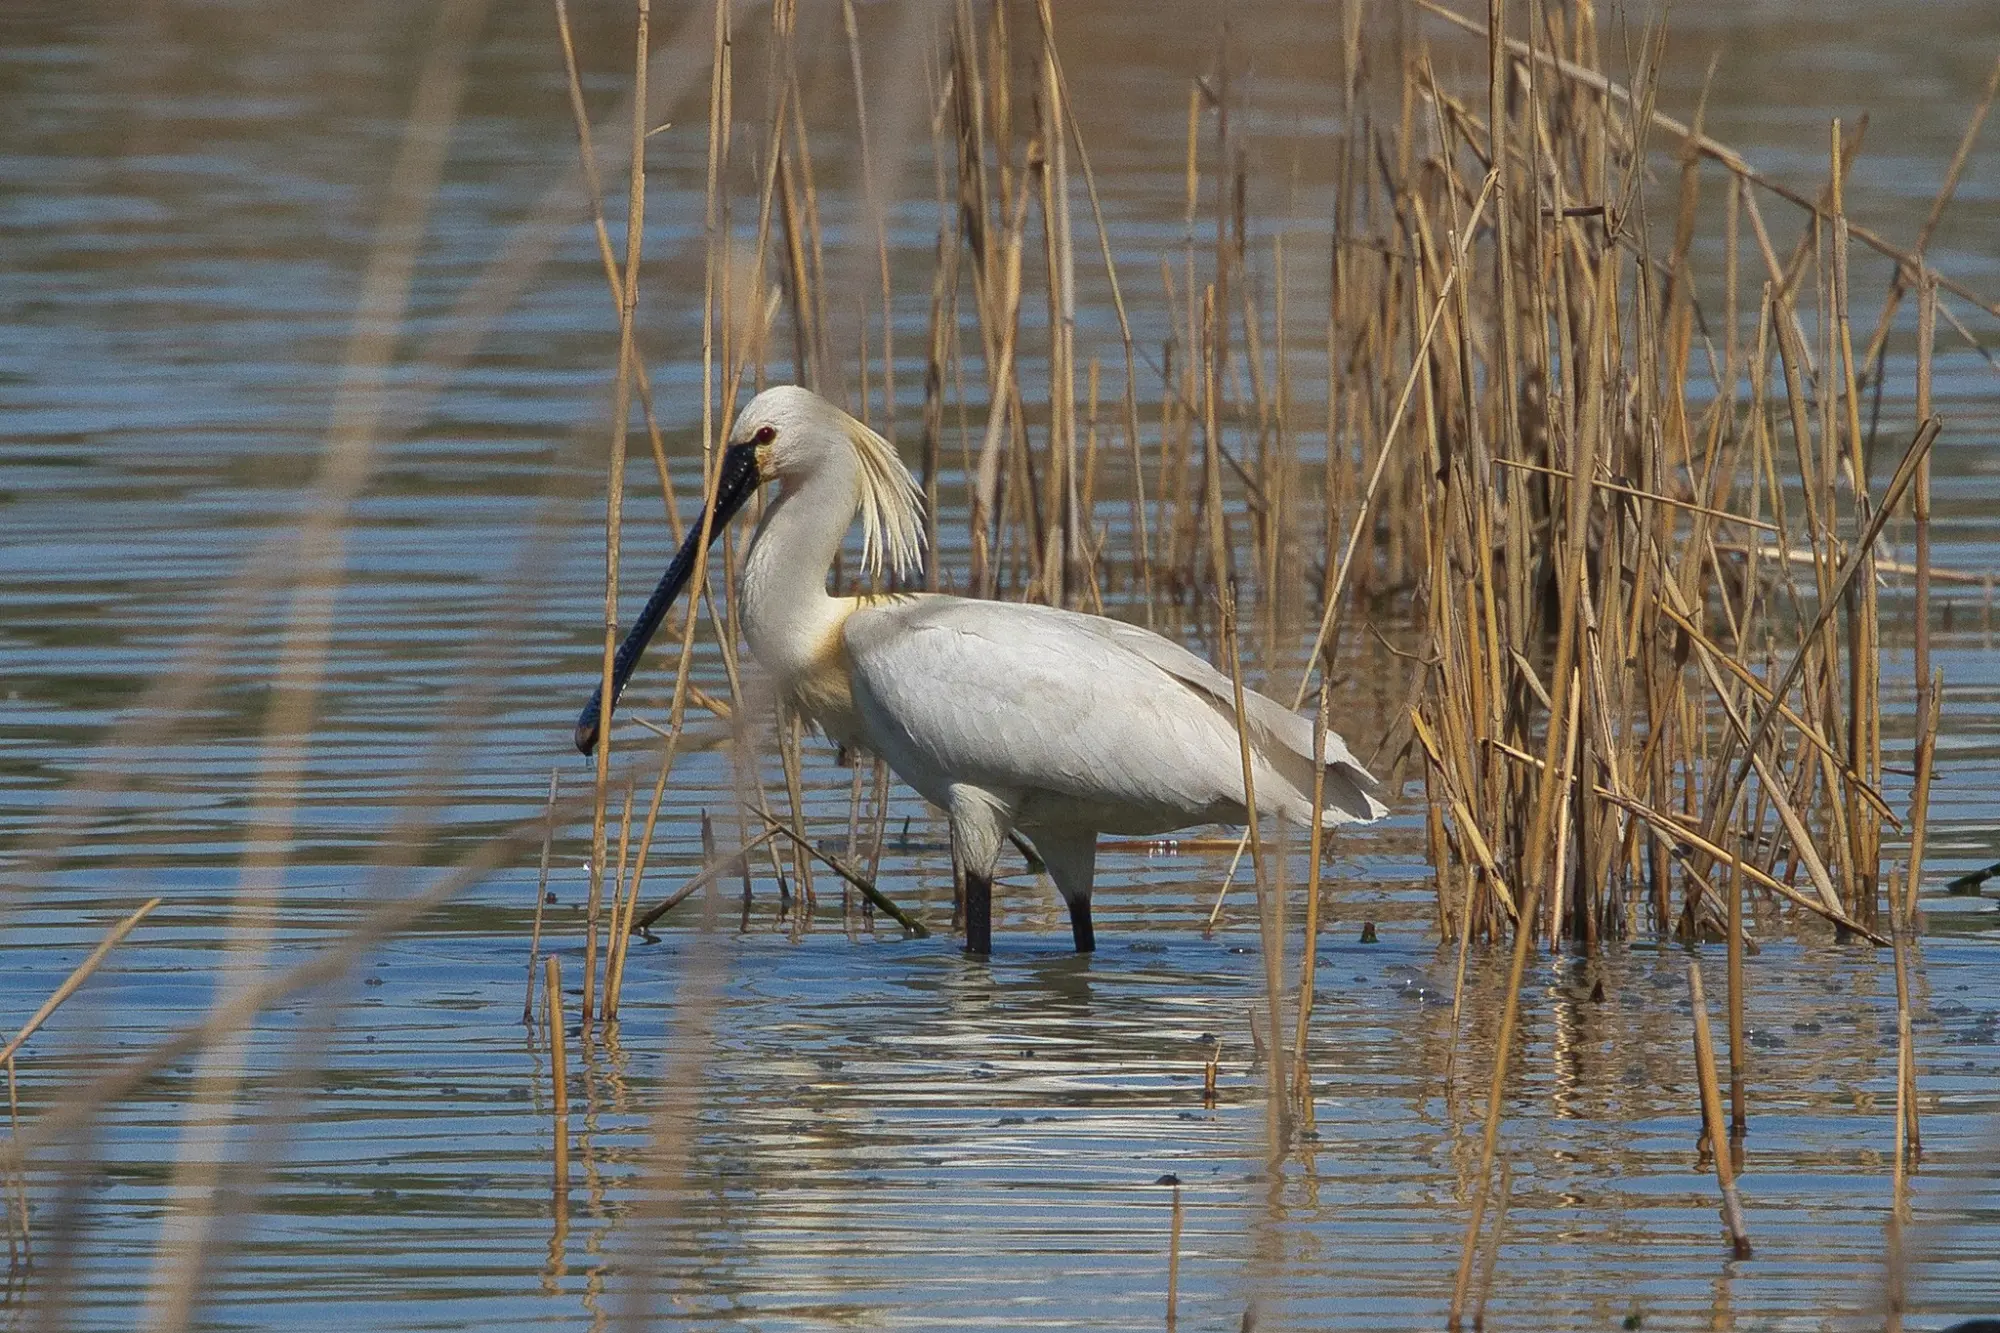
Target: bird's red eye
(764, 435)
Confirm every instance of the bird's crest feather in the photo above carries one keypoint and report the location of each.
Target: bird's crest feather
(892, 508)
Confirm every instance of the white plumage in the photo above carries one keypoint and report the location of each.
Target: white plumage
(1005, 716)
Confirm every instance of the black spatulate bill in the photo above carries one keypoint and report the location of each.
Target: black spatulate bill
(739, 478)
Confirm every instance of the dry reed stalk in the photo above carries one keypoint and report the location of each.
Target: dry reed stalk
(182, 1255)
(20, 1233)
(669, 751)
(1174, 1262)
(1240, 844)
(985, 512)
(1215, 334)
(1061, 544)
(1864, 656)
(594, 192)
(943, 340)
(1492, 1260)
(716, 291)
(552, 1008)
(1309, 956)
(831, 380)
(1739, 1121)
(1503, 1050)
(541, 897)
(1270, 925)
(1213, 350)
(878, 804)
(77, 976)
(1711, 1113)
(1142, 554)
(853, 839)
(1335, 590)
(877, 208)
(792, 729)
(1929, 683)
(1909, 1136)
(624, 903)
(552, 1011)
(614, 503)
(1899, 284)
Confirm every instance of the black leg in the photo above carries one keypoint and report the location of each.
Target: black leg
(1079, 925)
(978, 914)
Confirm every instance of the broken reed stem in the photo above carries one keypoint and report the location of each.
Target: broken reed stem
(1174, 1263)
(710, 873)
(78, 975)
(1242, 845)
(1711, 1114)
(850, 874)
(541, 896)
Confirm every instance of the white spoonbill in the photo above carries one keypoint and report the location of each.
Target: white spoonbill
(1004, 716)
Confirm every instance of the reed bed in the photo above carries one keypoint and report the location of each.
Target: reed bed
(1621, 516)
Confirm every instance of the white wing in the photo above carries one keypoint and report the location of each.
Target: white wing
(1060, 707)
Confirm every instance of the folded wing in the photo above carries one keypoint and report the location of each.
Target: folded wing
(1036, 700)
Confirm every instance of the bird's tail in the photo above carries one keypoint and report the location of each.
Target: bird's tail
(1287, 752)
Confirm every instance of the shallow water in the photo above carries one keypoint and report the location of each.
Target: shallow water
(880, 1132)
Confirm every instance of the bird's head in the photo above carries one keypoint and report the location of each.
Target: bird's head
(793, 436)
(788, 432)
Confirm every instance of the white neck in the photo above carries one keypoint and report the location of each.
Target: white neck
(788, 617)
